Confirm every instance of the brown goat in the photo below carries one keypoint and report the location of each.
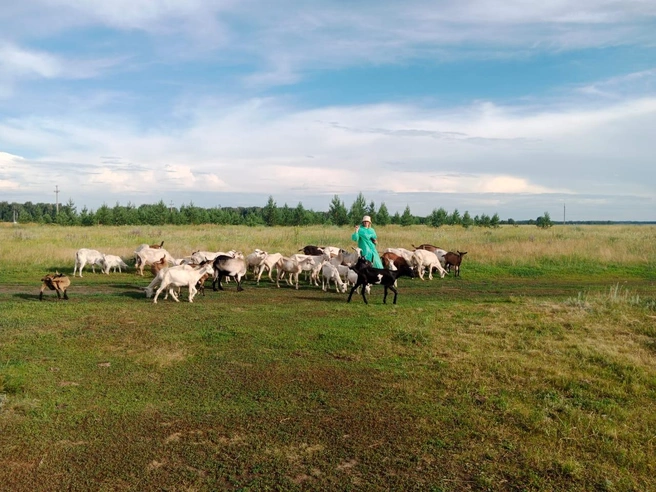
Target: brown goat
(200, 286)
(427, 247)
(453, 260)
(158, 265)
(156, 246)
(57, 282)
(392, 258)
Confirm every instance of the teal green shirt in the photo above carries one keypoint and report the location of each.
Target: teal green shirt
(364, 236)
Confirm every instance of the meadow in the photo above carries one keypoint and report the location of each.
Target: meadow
(535, 370)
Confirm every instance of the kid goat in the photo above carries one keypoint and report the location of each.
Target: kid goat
(367, 275)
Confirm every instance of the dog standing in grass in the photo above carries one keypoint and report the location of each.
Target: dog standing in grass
(57, 282)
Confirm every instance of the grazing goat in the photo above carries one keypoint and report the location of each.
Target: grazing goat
(227, 266)
(292, 267)
(84, 256)
(405, 253)
(107, 262)
(331, 273)
(367, 275)
(312, 250)
(57, 282)
(179, 277)
(438, 251)
(454, 260)
(423, 258)
(393, 261)
(159, 265)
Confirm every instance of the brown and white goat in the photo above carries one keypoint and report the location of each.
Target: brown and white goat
(156, 246)
(57, 282)
(158, 265)
(453, 260)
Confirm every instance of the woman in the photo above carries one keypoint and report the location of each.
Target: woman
(366, 238)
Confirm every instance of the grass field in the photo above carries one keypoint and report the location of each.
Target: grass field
(535, 370)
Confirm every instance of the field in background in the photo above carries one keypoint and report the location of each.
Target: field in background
(533, 371)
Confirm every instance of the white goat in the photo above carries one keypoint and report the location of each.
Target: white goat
(422, 258)
(148, 256)
(179, 277)
(108, 262)
(268, 263)
(254, 260)
(84, 256)
(331, 273)
(292, 267)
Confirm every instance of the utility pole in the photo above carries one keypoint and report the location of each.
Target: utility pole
(57, 198)
(563, 214)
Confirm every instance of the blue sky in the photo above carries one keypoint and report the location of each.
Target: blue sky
(512, 107)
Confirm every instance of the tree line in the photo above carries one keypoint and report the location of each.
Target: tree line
(269, 215)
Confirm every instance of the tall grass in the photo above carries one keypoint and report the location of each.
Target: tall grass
(504, 246)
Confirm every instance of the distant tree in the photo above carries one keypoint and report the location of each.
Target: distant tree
(454, 218)
(286, 215)
(494, 221)
(300, 216)
(438, 217)
(484, 220)
(512, 222)
(382, 217)
(467, 221)
(253, 219)
(337, 212)
(270, 213)
(104, 215)
(407, 219)
(87, 218)
(358, 209)
(544, 222)
(371, 211)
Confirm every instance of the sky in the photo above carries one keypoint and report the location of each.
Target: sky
(515, 107)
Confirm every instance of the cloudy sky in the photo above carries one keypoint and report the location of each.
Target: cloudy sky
(514, 107)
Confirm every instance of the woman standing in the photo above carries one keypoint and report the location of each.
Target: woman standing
(366, 238)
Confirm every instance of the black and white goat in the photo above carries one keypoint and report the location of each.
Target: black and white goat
(368, 275)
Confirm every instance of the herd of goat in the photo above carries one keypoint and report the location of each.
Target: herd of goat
(332, 264)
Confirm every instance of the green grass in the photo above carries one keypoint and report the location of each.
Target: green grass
(502, 379)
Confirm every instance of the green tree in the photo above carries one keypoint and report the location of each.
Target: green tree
(337, 212)
(300, 217)
(438, 217)
(467, 221)
(544, 222)
(494, 221)
(104, 215)
(454, 218)
(383, 217)
(358, 209)
(371, 211)
(407, 219)
(270, 213)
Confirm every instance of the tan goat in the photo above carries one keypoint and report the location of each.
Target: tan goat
(57, 282)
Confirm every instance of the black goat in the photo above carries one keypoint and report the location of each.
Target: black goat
(367, 275)
(312, 250)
